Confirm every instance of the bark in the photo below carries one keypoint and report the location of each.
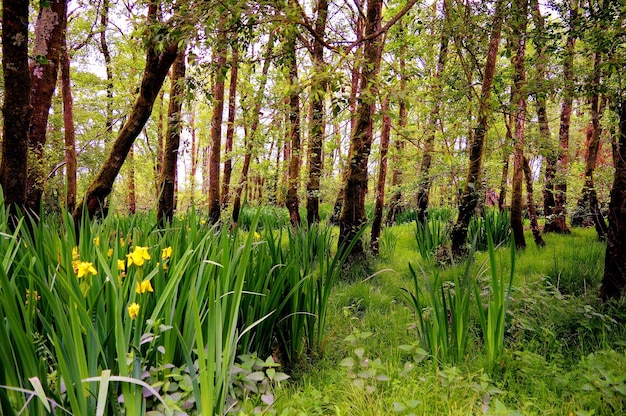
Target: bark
(251, 132)
(44, 69)
(132, 196)
(557, 222)
(158, 62)
(353, 215)
(68, 124)
(542, 114)
(104, 48)
(216, 122)
(318, 93)
(395, 204)
(166, 207)
(518, 112)
(16, 106)
(425, 181)
(291, 199)
(382, 176)
(614, 278)
(530, 204)
(469, 197)
(194, 155)
(587, 210)
(504, 181)
(230, 127)
(159, 161)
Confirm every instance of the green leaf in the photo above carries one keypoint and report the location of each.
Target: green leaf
(347, 362)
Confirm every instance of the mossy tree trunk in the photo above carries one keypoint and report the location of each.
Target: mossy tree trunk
(230, 126)
(68, 125)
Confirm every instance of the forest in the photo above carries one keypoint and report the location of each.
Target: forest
(313, 207)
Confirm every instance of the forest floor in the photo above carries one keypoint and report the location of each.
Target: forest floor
(564, 351)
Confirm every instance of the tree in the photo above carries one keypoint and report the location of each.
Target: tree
(166, 207)
(518, 111)
(293, 131)
(16, 106)
(68, 124)
(159, 58)
(219, 58)
(230, 127)
(382, 176)
(557, 222)
(423, 191)
(353, 209)
(614, 279)
(318, 90)
(470, 195)
(51, 23)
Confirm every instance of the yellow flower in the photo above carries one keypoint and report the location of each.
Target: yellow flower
(84, 269)
(166, 253)
(144, 287)
(133, 310)
(122, 242)
(96, 241)
(109, 252)
(120, 265)
(257, 236)
(138, 256)
(75, 254)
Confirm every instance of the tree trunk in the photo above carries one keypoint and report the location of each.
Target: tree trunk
(104, 48)
(194, 154)
(159, 162)
(230, 127)
(425, 180)
(291, 199)
(530, 203)
(251, 132)
(216, 122)
(614, 278)
(132, 196)
(469, 198)
(353, 216)
(587, 210)
(382, 176)
(44, 69)
(395, 204)
(504, 181)
(68, 124)
(166, 207)
(158, 61)
(16, 106)
(557, 222)
(542, 117)
(518, 113)
(318, 94)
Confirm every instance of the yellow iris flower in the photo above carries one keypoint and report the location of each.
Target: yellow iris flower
(166, 253)
(84, 269)
(138, 256)
(120, 265)
(144, 287)
(133, 310)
